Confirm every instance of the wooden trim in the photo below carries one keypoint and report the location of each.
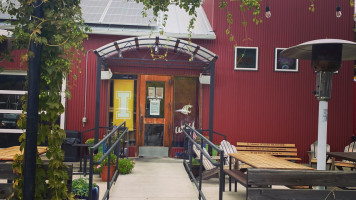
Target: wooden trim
(167, 120)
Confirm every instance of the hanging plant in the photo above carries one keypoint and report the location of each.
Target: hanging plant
(60, 33)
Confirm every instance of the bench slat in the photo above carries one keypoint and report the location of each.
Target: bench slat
(272, 153)
(301, 178)
(298, 194)
(264, 144)
(265, 149)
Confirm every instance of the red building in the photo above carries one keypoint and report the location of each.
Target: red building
(258, 98)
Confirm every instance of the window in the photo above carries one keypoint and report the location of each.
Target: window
(246, 58)
(12, 86)
(283, 64)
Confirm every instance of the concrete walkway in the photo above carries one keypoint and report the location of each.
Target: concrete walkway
(155, 179)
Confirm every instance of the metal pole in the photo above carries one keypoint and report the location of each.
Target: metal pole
(222, 176)
(322, 135)
(97, 100)
(211, 105)
(91, 171)
(30, 153)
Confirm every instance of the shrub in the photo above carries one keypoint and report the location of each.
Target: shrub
(125, 166)
(80, 187)
(89, 141)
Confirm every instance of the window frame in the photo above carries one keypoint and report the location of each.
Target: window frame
(236, 56)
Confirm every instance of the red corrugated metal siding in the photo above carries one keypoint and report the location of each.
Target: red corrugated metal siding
(75, 105)
(354, 108)
(16, 64)
(268, 106)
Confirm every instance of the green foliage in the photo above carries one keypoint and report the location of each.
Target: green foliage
(80, 187)
(99, 168)
(253, 5)
(89, 141)
(60, 33)
(157, 6)
(125, 166)
(311, 6)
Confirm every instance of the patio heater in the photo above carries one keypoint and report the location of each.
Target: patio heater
(326, 56)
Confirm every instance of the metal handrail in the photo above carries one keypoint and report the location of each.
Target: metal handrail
(188, 132)
(217, 133)
(115, 145)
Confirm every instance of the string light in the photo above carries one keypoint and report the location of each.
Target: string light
(338, 10)
(268, 11)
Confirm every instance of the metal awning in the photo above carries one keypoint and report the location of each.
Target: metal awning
(138, 51)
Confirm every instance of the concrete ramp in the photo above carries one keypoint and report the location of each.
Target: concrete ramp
(155, 179)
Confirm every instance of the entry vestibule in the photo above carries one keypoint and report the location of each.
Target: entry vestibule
(165, 97)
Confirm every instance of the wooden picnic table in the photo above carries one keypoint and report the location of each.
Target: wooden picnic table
(261, 161)
(350, 156)
(7, 154)
(266, 161)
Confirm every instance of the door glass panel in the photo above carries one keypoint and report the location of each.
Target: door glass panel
(155, 97)
(154, 134)
(185, 107)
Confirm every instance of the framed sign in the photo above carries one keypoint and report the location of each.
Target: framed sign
(246, 58)
(159, 92)
(283, 64)
(154, 106)
(151, 92)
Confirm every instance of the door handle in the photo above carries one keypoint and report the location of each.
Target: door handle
(141, 123)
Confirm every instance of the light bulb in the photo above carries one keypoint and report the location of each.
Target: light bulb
(338, 11)
(156, 49)
(119, 54)
(268, 12)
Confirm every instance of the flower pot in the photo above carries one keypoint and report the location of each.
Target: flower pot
(104, 173)
(94, 193)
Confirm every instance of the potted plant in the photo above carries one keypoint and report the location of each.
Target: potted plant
(103, 167)
(80, 189)
(125, 166)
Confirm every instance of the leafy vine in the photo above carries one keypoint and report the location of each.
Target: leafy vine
(60, 32)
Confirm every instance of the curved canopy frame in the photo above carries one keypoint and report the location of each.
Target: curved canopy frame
(181, 54)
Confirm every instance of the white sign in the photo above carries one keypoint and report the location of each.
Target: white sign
(154, 106)
(123, 109)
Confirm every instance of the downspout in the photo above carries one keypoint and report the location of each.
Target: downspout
(84, 119)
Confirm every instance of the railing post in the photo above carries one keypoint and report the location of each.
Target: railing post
(201, 166)
(90, 173)
(109, 162)
(222, 175)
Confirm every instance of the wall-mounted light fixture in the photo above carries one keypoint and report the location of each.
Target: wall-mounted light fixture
(106, 75)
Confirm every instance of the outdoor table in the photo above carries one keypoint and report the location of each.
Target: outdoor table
(351, 156)
(267, 161)
(262, 161)
(85, 156)
(7, 154)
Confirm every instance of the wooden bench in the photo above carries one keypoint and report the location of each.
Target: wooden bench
(284, 151)
(336, 183)
(7, 174)
(237, 176)
(344, 163)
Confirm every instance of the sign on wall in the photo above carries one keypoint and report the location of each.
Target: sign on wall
(123, 102)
